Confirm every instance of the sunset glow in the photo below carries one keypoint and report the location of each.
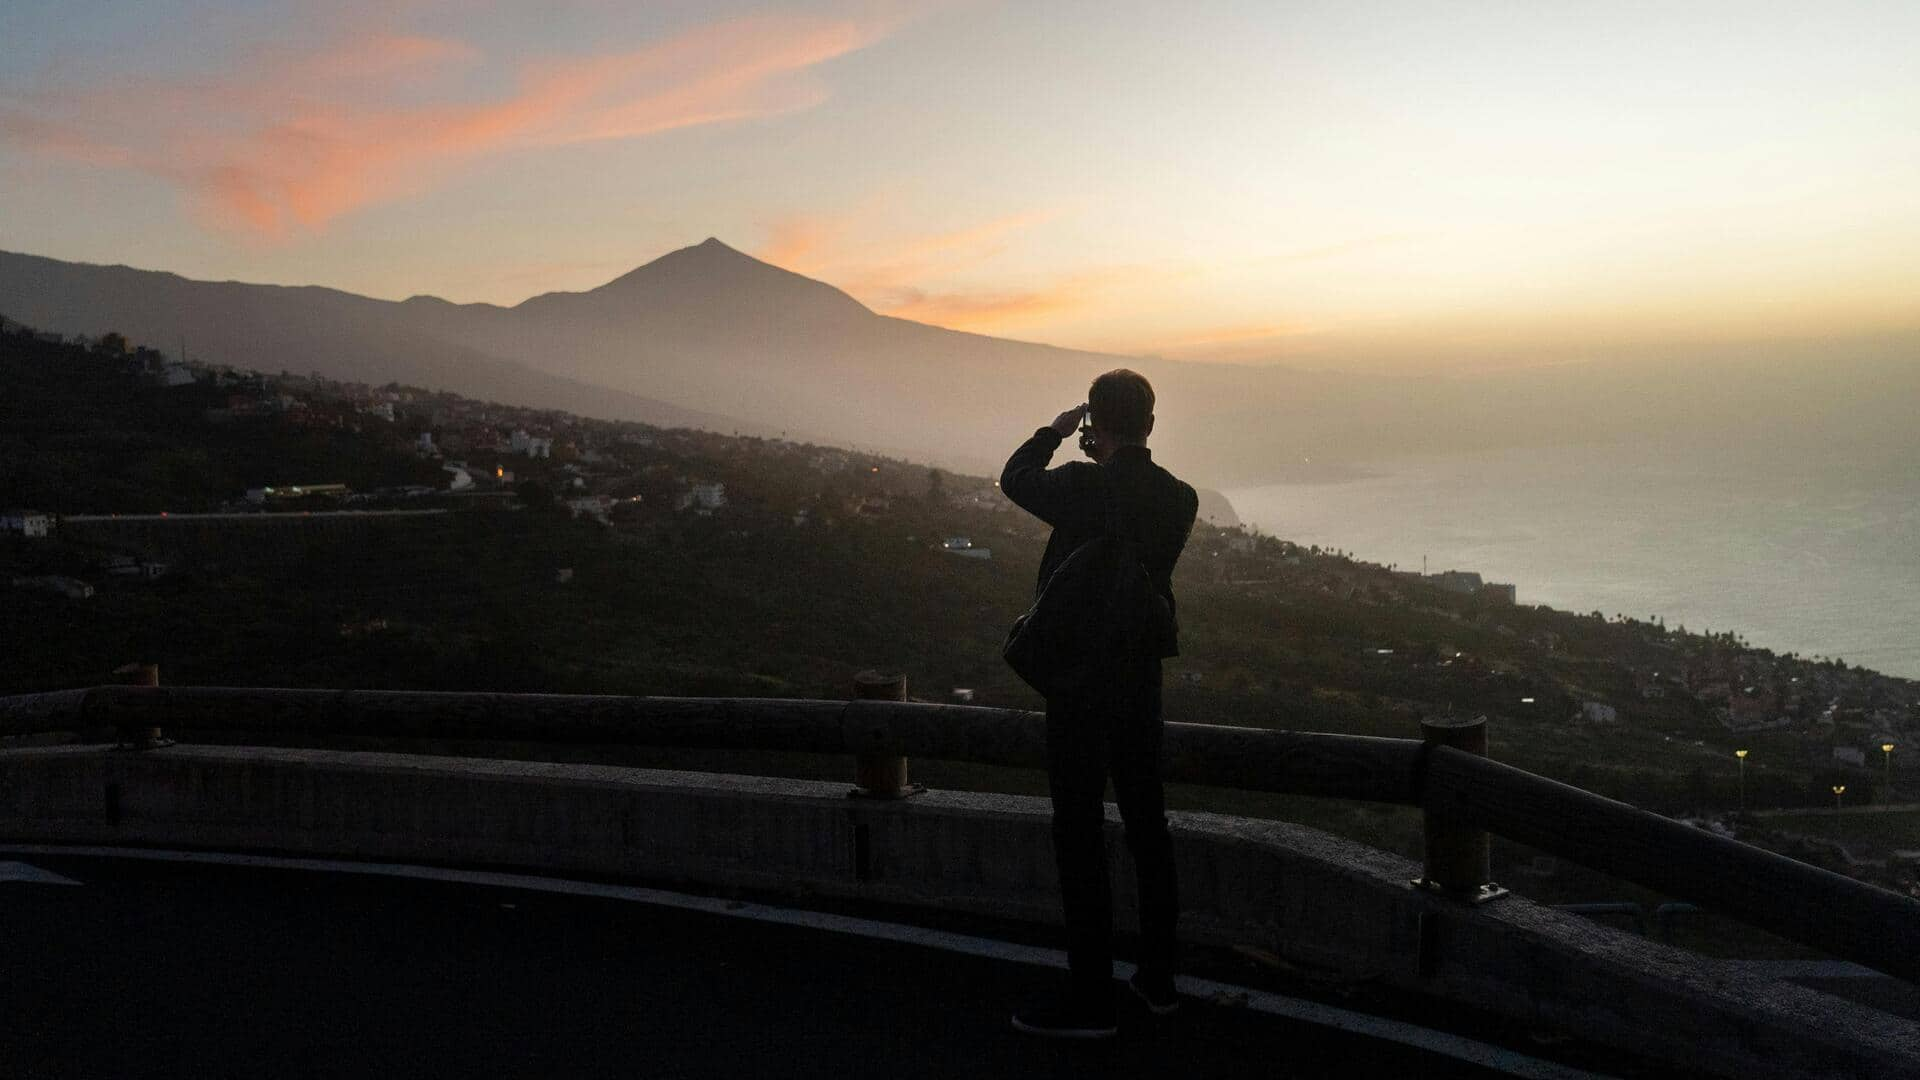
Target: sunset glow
(1404, 187)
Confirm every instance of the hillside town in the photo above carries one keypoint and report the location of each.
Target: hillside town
(1338, 637)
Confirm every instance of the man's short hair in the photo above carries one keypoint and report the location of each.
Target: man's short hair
(1121, 404)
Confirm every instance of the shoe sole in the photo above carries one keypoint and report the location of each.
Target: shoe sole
(1084, 1034)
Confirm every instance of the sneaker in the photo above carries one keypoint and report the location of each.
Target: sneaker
(1066, 1022)
(1158, 995)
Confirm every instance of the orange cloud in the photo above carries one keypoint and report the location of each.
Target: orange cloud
(897, 275)
(793, 243)
(994, 310)
(292, 142)
(982, 310)
(844, 247)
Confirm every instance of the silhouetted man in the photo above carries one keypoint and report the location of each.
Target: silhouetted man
(1111, 720)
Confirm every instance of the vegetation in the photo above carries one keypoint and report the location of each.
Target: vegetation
(599, 569)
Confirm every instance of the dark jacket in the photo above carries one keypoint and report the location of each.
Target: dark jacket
(1155, 508)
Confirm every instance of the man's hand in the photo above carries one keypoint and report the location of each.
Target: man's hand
(1068, 422)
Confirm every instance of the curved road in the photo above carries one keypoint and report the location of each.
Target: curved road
(120, 967)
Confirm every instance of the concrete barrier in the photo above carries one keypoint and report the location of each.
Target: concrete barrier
(1311, 898)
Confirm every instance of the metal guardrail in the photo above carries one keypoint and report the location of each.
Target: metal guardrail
(1463, 794)
(1336, 766)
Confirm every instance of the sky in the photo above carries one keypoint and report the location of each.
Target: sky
(1383, 186)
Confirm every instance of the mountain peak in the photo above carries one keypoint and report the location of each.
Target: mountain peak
(713, 274)
(707, 256)
(711, 250)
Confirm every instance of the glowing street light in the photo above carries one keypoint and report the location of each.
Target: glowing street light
(1742, 755)
(1838, 790)
(1886, 750)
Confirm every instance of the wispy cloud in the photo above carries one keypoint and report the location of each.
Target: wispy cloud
(290, 142)
(852, 246)
(984, 310)
(794, 243)
(924, 277)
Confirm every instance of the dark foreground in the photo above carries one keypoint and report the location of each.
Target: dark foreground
(164, 969)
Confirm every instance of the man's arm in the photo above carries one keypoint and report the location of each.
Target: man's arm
(1045, 493)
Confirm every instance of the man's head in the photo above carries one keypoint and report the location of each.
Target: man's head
(1120, 411)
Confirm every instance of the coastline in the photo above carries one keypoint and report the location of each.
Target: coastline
(1796, 564)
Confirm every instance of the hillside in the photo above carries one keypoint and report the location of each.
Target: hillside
(626, 558)
(303, 330)
(1277, 630)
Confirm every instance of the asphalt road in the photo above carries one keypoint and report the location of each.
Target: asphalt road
(147, 969)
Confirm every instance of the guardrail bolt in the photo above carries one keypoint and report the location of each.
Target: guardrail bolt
(1458, 853)
(137, 736)
(880, 775)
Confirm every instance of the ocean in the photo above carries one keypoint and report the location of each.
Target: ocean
(1816, 559)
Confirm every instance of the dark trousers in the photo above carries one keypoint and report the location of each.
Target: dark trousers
(1113, 724)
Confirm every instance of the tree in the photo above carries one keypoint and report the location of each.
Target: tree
(111, 343)
(535, 496)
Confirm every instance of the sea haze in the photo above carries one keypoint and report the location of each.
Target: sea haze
(1818, 558)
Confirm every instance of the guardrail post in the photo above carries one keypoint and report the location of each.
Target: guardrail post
(139, 737)
(881, 776)
(1458, 853)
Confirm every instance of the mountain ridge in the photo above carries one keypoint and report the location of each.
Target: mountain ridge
(276, 327)
(709, 336)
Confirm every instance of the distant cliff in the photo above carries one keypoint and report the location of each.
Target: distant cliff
(1216, 510)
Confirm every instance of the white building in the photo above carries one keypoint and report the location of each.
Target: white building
(1595, 712)
(1458, 581)
(29, 523)
(594, 506)
(704, 498)
(531, 445)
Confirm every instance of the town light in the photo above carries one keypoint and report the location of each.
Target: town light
(1742, 755)
(1886, 750)
(1838, 790)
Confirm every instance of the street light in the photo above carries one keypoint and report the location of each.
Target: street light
(1742, 755)
(1886, 749)
(1838, 790)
